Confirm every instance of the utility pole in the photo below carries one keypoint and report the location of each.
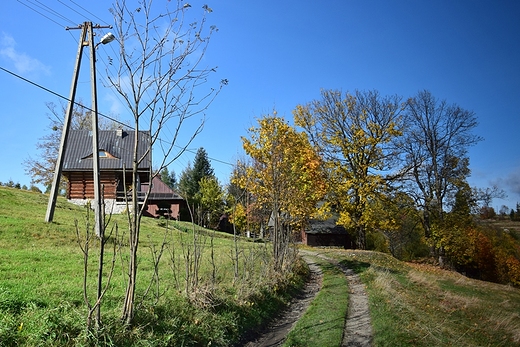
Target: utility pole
(65, 132)
(86, 39)
(98, 198)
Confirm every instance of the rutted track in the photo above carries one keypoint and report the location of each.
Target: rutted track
(276, 332)
(358, 328)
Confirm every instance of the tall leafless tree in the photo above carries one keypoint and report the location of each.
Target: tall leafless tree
(436, 142)
(160, 74)
(486, 196)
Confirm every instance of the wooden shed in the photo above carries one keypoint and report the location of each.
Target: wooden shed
(163, 201)
(326, 233)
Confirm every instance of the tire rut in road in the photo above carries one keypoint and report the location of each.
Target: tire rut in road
(276, 332)
(358, 326)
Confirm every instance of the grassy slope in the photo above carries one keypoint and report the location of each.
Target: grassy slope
(41, 276)
(41, 299)
(419, 305)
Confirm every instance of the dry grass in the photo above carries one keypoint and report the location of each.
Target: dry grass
(421, 305)
(420, 278)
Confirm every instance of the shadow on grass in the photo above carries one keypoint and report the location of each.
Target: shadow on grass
(357, 266)
(360, 267)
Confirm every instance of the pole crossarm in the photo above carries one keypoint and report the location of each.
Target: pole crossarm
(97, 26)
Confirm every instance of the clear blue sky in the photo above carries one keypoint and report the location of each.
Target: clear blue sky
(278, 54)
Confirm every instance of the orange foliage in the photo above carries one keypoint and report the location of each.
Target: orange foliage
(484, 254)
(513, 270)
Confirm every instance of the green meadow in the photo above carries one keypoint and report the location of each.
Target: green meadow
(44, 288)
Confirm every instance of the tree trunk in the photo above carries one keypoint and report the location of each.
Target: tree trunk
(129, 305)
(361, 238)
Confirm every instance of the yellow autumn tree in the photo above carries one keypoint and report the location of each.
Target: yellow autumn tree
(285, 176)
(355, 134)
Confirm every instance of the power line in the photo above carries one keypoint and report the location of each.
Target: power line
(50, 10)
(99, 113)
(81, 14)
(84, 9)
(63, 97)
(32, 8)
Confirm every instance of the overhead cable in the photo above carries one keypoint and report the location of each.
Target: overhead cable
(93, 15)
(35, 10)
(99, 113)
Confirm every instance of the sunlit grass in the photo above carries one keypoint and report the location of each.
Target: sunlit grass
(41, 297)
(41, 279)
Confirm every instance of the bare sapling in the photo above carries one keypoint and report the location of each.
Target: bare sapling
(85, 246)
(159, 73)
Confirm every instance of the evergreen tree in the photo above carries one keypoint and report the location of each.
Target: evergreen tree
(169, 178)
(189, 182)
(186, 188)
(201, 166)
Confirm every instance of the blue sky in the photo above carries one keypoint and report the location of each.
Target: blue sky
(278, 54)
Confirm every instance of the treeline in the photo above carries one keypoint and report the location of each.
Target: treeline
(12, 184)
(393, 171)
(388, 168)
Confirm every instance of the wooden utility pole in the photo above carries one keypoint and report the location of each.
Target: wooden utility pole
(86, 39)
(65, 133)
(98, 198)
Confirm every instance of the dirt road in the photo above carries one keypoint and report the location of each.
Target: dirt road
(358, 328)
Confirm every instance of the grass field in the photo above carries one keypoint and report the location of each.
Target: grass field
(41, 281)
(42, 304)
(421, 305)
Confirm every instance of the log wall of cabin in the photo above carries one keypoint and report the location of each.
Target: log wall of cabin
(81, 185)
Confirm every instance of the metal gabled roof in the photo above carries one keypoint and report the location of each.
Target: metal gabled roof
(118, 144)
(160, 190)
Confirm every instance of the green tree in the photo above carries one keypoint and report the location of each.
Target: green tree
(355, 133)
(186, 188)
(211, 199)
(169, 178)
(189, 182)
(201, 166)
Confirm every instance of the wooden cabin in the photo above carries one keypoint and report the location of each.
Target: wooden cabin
(326, 233)
(116, 149)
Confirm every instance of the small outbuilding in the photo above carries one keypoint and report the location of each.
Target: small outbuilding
(163, 201)
(326, 233)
